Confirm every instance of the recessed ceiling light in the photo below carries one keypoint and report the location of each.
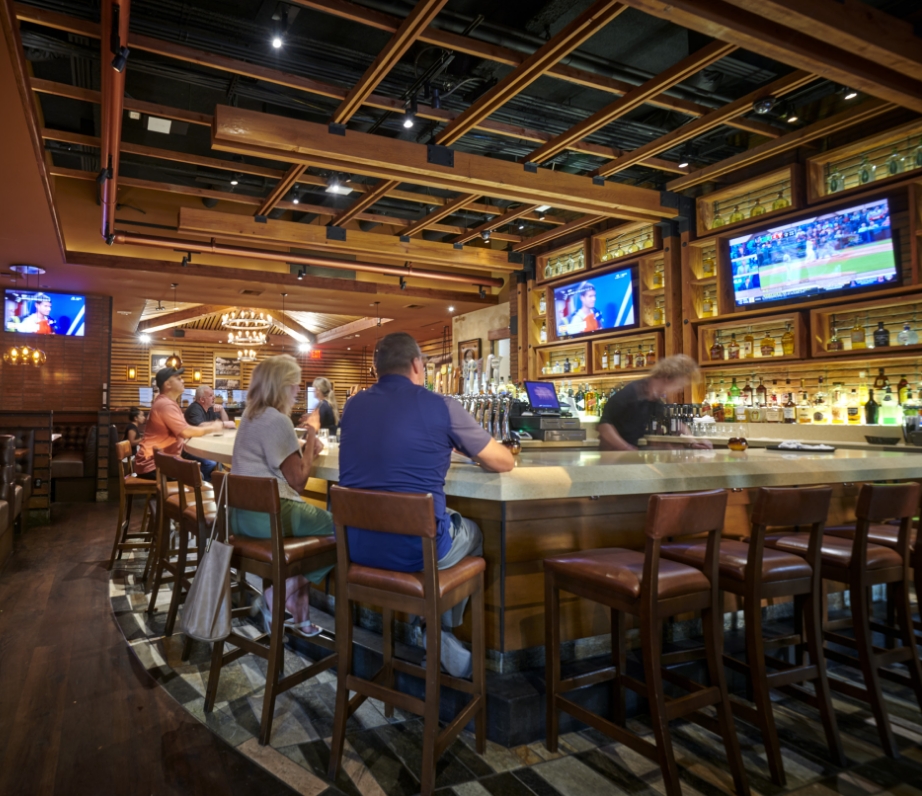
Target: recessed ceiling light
(134, 115)
(542, 208)
(157, 125)
(451, 309)
(277, 42)
(793, 117)
(683, 164)
(850, 93)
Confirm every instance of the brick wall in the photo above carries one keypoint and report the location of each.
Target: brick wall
(72, 379)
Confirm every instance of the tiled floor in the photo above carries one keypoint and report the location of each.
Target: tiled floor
(383, 755)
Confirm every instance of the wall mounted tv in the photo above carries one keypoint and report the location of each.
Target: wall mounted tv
(849, 250)
(40, 312)
(596, 304)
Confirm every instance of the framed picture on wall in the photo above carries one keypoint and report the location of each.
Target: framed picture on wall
(468, 347)
(227, 373)
(157, 362)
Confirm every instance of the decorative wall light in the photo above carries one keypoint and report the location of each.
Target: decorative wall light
(132, 373)
(173, 361)
(24, 355)
(196, 375)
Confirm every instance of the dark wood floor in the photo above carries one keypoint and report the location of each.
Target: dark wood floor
(78, 714)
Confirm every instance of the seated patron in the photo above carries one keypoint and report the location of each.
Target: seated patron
(136, 418)
(203, 410)
(327, 409)
(397, 436)
(167, 429)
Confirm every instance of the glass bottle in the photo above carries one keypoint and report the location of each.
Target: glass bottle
(616, 358)
(767, 346)
(640, 361)
(748, 349)
(881, 382)
(907, 336)
(729, 409)
(580, 260)
(542, 333)
(853, 409)
(761, 394)
(651, 357)
(871, 410)
(548, 270)
(706, 404)
(758, 209)
(881, 336)
(717, 349)
(734, 391)
(747, 394)
(619, 252)
(736, 216)
(605, 358)
(804, 409)
(658, 313)
(566, 365)
(717, 407)
(657, 277)
(839, 406)
(789, 410)
(902, 390)
(834, 343)
(781, 202)
(821, 410)
(895, 163)
(773, 411)
(708, 264)
(542, 304)
(707, 308)
(733, 348)
(627, 360)
(647, 242)
(718, 219)
(787, 341)
(891, 413)
(633, 248)
(857, 335)
(835, 182)
(866, 171)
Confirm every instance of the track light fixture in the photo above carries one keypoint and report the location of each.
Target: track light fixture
(481, 291)
(685, 158)
(764, 105)
(121, 59)
(850, 93)
(277, 42)
(301, 272)
(187, 259)
(235, 178)
(409, 118)
(485, 235)
(403, 283)
(295, 196)
(520, 226)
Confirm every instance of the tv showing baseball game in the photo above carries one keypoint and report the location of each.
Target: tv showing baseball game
(40, 312)
(847, 250)
(596, 304)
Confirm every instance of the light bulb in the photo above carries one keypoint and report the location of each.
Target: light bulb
(277, 42)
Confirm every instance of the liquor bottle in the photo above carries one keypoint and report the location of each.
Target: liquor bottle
(651, 357)
(871, 410)
(839, 406)
(734, 392)
(548, 270)
(627, 360)
(907, 336)
(542, 304)
(733, 348)
(708, 264)
(789, 410)
(773, 412)
(857, 335)
(853, 410)
(657, 277)
(605, 358)
(835, 181)
(767, 346)
(542, 333)
(881, 336)
(729, 410)
(821, 410)
(891, 414)
(707, 306)
(881, 382)
(834, 344)
(640, 361)
(616, 358)
(736, 216)
(902, 390)
(758, 209)
(866, 171)
(787, 341)
(748, 349)
(895, 163)
(717, 408)
(804, 408)
(706, 404)
(717, 349)
(658, 317)
(566, 365)
(761, 394)
(746, 395)
(780, 203)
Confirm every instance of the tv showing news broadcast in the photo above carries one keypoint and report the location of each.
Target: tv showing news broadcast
(850, 249)
(40, 312)
(595, 304)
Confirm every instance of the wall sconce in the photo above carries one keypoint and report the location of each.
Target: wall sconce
(132, 373)
(196, 375)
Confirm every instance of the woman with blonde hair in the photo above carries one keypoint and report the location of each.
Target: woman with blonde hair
(327, 409)
(267, 447)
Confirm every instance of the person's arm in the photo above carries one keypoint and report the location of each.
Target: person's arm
(495, 457)
(132, 436)
(297, 467)
(467, 437)
(611, 440)
(200, 431)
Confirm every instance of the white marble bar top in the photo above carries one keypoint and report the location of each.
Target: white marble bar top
(551, 474)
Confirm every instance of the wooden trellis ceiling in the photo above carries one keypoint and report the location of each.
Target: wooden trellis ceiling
(626, 131)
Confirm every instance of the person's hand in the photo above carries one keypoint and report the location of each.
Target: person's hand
(318, 446)
(313, 420)
(228, 424)
(217, 426)
(702, 444)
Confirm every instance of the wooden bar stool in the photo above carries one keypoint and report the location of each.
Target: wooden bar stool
(275, 560)
(130, 487)
(755, 573)
(12, 490)
(428, 594)
(193, 518)
(651, 588)
(860, 566)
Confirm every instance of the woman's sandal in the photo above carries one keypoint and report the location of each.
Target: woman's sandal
(306, 629)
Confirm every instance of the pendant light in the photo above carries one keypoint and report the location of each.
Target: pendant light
(173, 360)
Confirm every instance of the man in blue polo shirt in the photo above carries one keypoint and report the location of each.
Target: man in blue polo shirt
(398, 436)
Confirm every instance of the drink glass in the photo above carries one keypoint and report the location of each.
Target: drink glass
(324, 435)
(237, 422)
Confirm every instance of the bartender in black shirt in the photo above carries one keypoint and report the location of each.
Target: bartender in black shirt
(629, 412)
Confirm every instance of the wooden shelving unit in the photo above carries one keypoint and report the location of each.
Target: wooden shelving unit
(771, 325)
(550, 360)
(624, 243)
(893, 311)
(703, 281)
(562, 263)
(626, 346)
(750, 202)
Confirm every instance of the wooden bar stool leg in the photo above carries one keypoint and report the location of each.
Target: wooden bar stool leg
(712, 624)
(176, 596)
(552, 657)
(387, 641)
(162, 549)
(755, 651)
(619, 660)
(651, 635)
(119, 533)
(433, 693)
(344, 672)
(861, 618)
(478, 652)
(153, 553)
(812, 616)
(276, 660)
(903, 612)
(211, 692)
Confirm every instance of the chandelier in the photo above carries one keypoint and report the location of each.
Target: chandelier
(246, 355)
(24, 355)
(248, 338)
(246, 321)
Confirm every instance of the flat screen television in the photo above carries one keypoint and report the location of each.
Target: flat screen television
(595, 304)
(40, 312)
(847, 250)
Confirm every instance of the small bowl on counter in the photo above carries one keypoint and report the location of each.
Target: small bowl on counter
(873, 439)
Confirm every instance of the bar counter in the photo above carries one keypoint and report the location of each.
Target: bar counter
(557, 501)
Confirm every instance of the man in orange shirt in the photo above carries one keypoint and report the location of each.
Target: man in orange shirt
(167, 429)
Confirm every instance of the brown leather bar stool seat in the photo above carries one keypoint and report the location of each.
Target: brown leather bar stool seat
(860, 566)
(130, 487)
(754, 572)
(186, 507)
(885, 534)
(428, 594)
(648, 586)
(275, 560)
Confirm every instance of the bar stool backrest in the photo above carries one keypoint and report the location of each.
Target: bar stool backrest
(247, 493)
(687, 514)
(187, 473)
(7, 450)
(402, 513)
(786, 507)
(880, 502)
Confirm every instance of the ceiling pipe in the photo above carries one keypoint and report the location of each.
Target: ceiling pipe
(113, 44)
(131, 238)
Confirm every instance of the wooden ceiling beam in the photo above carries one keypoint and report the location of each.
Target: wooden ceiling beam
(503, 55)
(593, 19)
(558, 232)
(850, 24)
(867, 110)
(281, 189)
(422, 15)
(777, 88)
(292, 328)
(830, 59)
(456, 204)
(683, 70)
(490, 225)
(350, 328)
(375, 194)
(180, 317)
(244, 131)
(361, 244)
